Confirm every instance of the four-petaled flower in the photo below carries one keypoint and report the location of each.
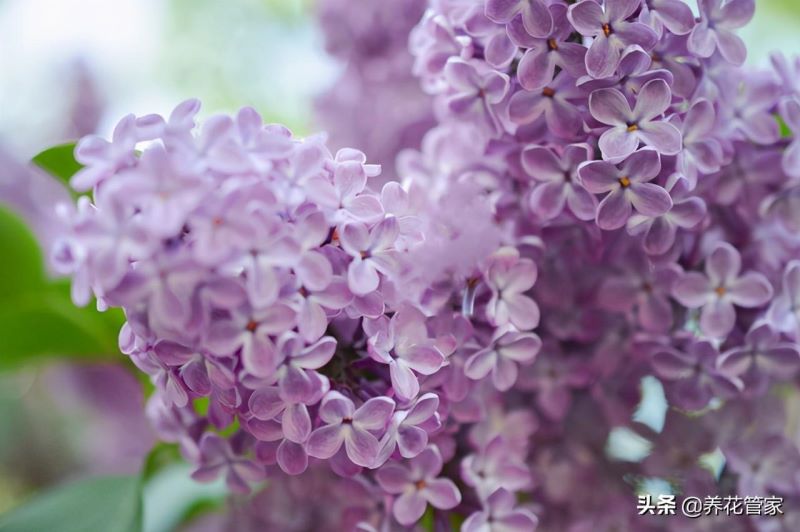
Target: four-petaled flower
(501, 357)
(612, 32)
(693, 376)
(630, 127)
(542, 55)
(628, 187)
(718, 19)
(501, 515)
(720, 289)
(509, 277)
(534, 15)
(559, 183)
(762, 358)
(417, 484)
(353, 428)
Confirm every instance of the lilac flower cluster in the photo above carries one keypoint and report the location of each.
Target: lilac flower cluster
(608, 196)
(652, 181)
(271, 296)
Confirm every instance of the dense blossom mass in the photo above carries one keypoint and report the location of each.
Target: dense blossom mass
(609, 198)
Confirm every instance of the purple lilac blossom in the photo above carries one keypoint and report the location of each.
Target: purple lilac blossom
(485, 315)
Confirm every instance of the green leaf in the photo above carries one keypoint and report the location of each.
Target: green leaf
(22, 264)
(786, 132)
(37, 317)
(99, 504)
(59, 161)
(43, 324)
(160, 456)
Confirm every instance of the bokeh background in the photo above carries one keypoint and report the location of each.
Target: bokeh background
(70, 67)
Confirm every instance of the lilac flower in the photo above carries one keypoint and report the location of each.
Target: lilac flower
(612, 32)
(297, 380)
(343, 196)
(217, 458)
(762, 358)
(183, 370)
(251, 332)
(372, 253)
(634, 71)
(660, 232)
(534, 14)
(559, 181)
(702, 153)
(101, 158)
(475, 92)
(500, 514)
(554, 101)
(718, 19)
(630, 127)
(403, 343)
(417, 486)
(628, 188)
(767, 464)
(642, 289)
(407, 430)
(675, 15)
(542, 55)
(672, 54)
(353, 428)
(790, 111)
(501, 357)
(312, 318)
(494, 467)
(693, 375)
(784, 313)
(509, 277)
(748, 104)
(720, 289)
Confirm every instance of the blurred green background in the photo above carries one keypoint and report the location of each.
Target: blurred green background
(73, 66)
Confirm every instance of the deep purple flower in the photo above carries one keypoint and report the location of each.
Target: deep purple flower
(763, 357)
(559, 183)
(718, 19)
(216, 458)
(418, 485)
(693, 376)
(628, 187)
(629, 127)
(500, 514)
(495, 467)
(720, 289)
(643, 291)
(612, 32)
(501, 357)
